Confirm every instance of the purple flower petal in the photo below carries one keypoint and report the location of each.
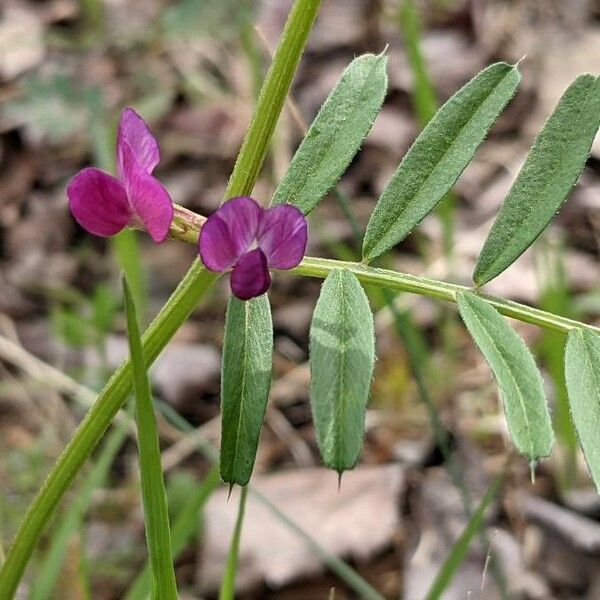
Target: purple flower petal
(134, 134)
(282, 236)
(250, 276)
(150, 201)
(99, 202)
(228, 233)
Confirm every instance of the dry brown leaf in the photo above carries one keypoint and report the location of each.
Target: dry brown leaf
(21, 42)
(357, 521)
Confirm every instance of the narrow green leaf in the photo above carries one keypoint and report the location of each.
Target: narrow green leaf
(245, 383)
(154, 496)
(582, 372)
(551, 170)
(438, 157)
(516, 373)
(459, 550)
(342, 355)
(185, 526)
(336, 133)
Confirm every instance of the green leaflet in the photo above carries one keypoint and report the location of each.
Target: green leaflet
(342, 354)
(336, 133)
(438, 157)
(516, 373)
(548, 175)
(156, 515)
(582, 372)
(245, 383)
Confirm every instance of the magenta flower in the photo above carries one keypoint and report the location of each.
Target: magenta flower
(249, 240)
(105, 205)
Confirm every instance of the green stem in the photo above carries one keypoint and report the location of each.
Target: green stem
(272, 96)
(228, 585)
(422, 286)
(440, 290)
(49, 570)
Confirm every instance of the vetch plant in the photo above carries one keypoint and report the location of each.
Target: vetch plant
(248, 240)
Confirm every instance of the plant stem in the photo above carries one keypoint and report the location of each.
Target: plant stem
(228, 584)
(424, 286)
(272, 97)
(49, 570)
(177, 309)
(432, 288)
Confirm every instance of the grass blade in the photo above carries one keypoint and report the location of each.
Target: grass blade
(342, 355)
(555, 296)
(438, 157)
(461, 547)
(153, 486)
(185, 526)
(552, 168)
(336, 134)
(245, 383)
(582, 372)
(424, 98)
(516, 373)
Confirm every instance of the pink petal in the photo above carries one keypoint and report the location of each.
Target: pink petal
(150, 201)
(99, 202)
(250, 276)
(134, 133)
(228, 233)
(282, 236)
